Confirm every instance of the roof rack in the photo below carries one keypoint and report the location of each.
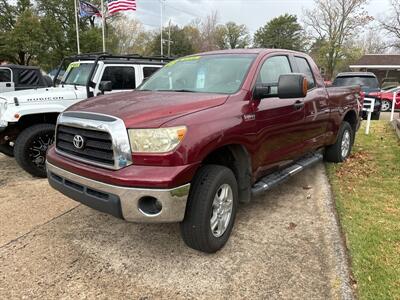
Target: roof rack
(97, 56)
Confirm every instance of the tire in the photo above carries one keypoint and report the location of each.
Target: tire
(7, 150)
(31, 146)
(336, 153)
(202, 208)
(375, 115)
(386, 105)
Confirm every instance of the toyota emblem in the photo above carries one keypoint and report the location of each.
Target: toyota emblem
(78, 142)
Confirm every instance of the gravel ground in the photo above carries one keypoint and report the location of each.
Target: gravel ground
(285, 245)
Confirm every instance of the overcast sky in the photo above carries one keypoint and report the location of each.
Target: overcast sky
(252, 13)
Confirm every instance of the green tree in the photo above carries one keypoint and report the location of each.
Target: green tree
(232, 36)
(281, 32)
(180, 44)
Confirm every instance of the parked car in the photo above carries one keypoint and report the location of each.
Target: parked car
(202, 134)
(386, 97)
(16, 78)
(28, 118)
(369, 85)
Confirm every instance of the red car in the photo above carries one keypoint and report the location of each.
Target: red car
(201, 135)
(387, 98)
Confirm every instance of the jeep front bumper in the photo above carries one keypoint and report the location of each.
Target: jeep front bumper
(132, 204)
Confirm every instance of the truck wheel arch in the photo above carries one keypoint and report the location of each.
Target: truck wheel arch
(236, 158)
(351, 118)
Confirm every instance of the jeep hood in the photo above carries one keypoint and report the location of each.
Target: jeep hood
(146, 109)
(41, 95)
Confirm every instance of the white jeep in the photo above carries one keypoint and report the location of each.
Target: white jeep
(28, 117)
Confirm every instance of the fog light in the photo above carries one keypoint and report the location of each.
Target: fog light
(149, 206)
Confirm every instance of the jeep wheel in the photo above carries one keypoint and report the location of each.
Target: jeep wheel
(7, 150)
(211, 209)
(31, 147)
(341, 150)
(386, 105)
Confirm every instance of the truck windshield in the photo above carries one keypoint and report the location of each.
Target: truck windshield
(222, 74)
(363, 81)
(77, 73)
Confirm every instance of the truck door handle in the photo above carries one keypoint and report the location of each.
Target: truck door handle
(8, 84)
(298, 105)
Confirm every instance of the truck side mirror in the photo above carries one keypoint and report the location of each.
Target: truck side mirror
(292, 86)
(261, 91)
(105, 86)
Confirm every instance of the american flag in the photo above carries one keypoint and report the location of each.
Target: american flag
(115, 6)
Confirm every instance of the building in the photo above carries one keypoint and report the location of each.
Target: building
(382, 65)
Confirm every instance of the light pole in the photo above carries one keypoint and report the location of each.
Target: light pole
(162, 23)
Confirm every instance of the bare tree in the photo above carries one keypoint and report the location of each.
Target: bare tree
(335, 22)
(391, 23)
(209, 29)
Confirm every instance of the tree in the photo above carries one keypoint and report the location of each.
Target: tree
(232, 36)
(335, 22)
(391, 24)
(281, 32)
(180, 43)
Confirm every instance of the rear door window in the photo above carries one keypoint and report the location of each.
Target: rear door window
(5, 75)
(363, 81)
(121, 77)
(148, 71)
(304, 68)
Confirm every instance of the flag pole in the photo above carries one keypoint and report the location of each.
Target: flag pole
(103, 25)
(162, 21)
(77, 28)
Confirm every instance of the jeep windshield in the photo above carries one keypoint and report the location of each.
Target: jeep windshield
(77, 73)
(222, 74)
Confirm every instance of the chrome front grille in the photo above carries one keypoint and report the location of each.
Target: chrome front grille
(97, 145)
(94, 139)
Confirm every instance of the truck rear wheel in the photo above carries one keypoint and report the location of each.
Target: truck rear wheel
(340, 151)
(211, 209)
(7, 150)
(31, 146)
(386, 105)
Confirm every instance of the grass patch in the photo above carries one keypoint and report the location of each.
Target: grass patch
(367, 193)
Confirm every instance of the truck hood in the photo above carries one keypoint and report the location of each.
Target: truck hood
(41, 95)
(149, 109)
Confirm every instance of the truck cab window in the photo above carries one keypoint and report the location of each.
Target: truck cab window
(271, 70)
(5, 75)
(304, 67)
(122, 78)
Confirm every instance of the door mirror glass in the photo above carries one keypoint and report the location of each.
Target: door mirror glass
(105, 86)
(292, 86)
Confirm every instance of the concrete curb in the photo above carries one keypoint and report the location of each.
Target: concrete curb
(335, 236)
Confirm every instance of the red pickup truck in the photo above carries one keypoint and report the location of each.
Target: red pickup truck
(201, 135)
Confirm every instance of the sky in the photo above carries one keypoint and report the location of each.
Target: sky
(252, 13)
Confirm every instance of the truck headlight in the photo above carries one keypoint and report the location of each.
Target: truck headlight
(157, 140)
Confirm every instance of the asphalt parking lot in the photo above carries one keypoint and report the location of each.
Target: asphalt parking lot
(285, 245)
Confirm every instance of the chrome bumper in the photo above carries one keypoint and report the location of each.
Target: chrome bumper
(173, 201)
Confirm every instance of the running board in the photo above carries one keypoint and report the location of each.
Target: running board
(272, 180)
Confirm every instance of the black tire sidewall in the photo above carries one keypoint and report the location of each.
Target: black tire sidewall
(195, 228)
(7, 150)
(22, 144)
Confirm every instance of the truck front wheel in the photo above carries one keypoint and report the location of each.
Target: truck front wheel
(31, 146)
(340, 151)
(211, 209)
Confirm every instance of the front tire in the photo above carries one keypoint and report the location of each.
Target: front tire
(31, 146)
(376, 115)
(340, 151)
(211, 209)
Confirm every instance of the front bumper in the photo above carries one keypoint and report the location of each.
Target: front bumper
(121, 202)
